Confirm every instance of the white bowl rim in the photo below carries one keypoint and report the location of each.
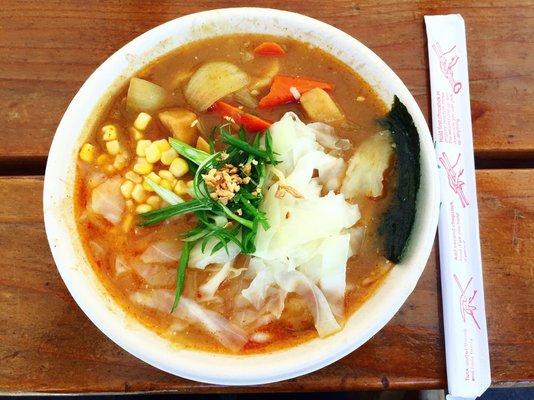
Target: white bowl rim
(201, 366)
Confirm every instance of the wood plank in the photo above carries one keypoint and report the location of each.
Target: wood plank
(47, 50)
(48, 345)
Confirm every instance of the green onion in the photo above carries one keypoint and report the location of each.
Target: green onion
(235, 217)
(241, 144)
(189, 152)
(153, 217)
(165, 194)
(239, 220)
(180, 274)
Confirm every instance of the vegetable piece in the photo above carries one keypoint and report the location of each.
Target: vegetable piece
(269, 49)
(107, 200)
(142, 121)
(180, 274)
(250, 122)
(324, 320)
(189, 152)
(179, 167)
(145, 96)
(153, 217)
(326, 137)
(280, 92)
(165, 194)
(367, 166)
(189, 311)
(203, 145)
(244, 98)
(319, 106)
(213, 81)
(267, 76)
(88, 152)
(162, 252)
(155, 275)
(180, 123)
(200, 258)
(397, 222)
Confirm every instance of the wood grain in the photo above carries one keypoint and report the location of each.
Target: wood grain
(48, 49)
(48, 345)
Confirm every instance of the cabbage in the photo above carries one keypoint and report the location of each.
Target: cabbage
(107, 200)
(228, 334)
(303, 221)
(334, 253)
(155, 275)
(121, 267)
(162, 252)
(306, 248)
(367, 166)
(208, 289)
(200, 259)
(295, 281)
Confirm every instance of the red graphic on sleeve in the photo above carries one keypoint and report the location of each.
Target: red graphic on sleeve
(455, 181)
(466, 308)
(447, 60)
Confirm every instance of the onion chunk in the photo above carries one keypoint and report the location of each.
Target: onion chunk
(212, 82)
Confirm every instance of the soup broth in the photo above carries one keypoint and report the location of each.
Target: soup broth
(133, 261)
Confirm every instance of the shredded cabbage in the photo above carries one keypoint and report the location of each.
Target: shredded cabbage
(228, 334)
(200, 259)
(306, 249)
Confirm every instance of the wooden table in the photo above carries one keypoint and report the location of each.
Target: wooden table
(47, 49)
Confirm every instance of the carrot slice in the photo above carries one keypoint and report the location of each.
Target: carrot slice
(269, 49)
(250, 122)
(280, 92)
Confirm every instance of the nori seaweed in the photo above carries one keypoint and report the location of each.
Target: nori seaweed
(397, 221)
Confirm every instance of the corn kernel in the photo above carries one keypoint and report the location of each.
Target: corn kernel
(168, 156)
(103, 159)
(166, 184)
(126, 189)
(88, 152)
(202, 144)
(153, 201)
(142, 121)
(127, 223)
(109, 133)
(132, 176)
(130, 204)
(180, 188)
(155, 177)
(120, 161)
(163, 145)
(108, 169)
(152, 153)
(139, 194)
(135, 134)
(147, 187)
(179, 167)
(143, 208)
(142, 166)
(164, 174)
(190, 183)
(113, 147)
(142, 146)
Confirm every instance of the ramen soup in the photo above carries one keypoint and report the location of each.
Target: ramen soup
(246, 193)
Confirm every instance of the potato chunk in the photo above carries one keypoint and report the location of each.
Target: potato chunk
(319, 106)
(179, 122)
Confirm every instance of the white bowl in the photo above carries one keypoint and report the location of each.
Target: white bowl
(127, 332)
